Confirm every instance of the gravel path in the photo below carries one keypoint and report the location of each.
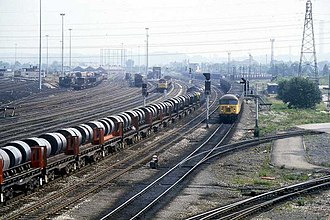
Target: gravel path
(290, 153)
(325, 127)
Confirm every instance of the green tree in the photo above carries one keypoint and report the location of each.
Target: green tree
(282, 88)
(299, 93)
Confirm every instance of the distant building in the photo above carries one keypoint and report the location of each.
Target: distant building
(194, 67)
(272, 88)
(31, 72)
(89, 69)
(78, 69)
(100, 70)
(157, 72)
(2, 71)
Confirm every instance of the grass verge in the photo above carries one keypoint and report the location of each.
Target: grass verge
(282, 118)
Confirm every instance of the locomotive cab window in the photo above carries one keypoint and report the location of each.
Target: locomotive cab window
(228, 102)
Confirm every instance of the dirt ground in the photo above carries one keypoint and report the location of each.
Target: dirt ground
(234, 177)
(228, 179)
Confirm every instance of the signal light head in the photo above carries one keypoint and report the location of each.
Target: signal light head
(207, 76)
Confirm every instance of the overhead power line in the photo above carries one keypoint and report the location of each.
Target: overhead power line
(191, 44)
(97, 56)
(248, 18)
(229, 30)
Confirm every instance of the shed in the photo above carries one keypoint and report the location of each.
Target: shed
(272, 88)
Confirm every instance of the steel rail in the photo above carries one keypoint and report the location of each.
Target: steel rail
(145, 189)
(95, 188)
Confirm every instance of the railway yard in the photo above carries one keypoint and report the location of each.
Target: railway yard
(187, 180)
(195, 110)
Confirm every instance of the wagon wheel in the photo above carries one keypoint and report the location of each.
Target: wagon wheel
(67, 169)
(51, 176)
(10, 193)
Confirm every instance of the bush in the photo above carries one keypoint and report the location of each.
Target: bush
(299, 93)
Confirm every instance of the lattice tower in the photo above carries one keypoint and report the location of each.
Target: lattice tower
(308, 53)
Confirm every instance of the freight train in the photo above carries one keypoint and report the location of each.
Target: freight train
(229, 108)
(30, 163)
(87, 82)
(80, 82)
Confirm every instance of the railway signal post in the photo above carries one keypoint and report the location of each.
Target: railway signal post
(256, 128)
(243, 82)
(190, 73)
(207, 94)
(144, 93)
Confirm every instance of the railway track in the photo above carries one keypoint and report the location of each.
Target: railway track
(107, 172)
(40, 96)
(72, 116)
(253, 205)
(232, 211)
(9, 85)
(60, 98)
(136, 206)
(67, 101)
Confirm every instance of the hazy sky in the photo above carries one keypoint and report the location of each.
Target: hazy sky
(194, 27)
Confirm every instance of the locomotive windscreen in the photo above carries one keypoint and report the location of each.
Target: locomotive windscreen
(228, 102)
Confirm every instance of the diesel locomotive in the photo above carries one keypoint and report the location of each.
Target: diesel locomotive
(164, 84)
(229, 108)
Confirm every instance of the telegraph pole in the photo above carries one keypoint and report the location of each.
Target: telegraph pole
(272, 55)
(40, 49)
(131, 67)
(147, 36)
(139, 59)
(70, 29)
(101, 50)
(62, 69)
(46, 72)
(228, 64)
(122, 58)
(15, 57)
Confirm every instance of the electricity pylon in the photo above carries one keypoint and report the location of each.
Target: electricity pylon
(308, 53)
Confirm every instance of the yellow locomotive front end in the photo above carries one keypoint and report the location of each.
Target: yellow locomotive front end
(229, 108)
(162, 85)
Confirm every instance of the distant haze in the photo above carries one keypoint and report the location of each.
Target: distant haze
(186, 29)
